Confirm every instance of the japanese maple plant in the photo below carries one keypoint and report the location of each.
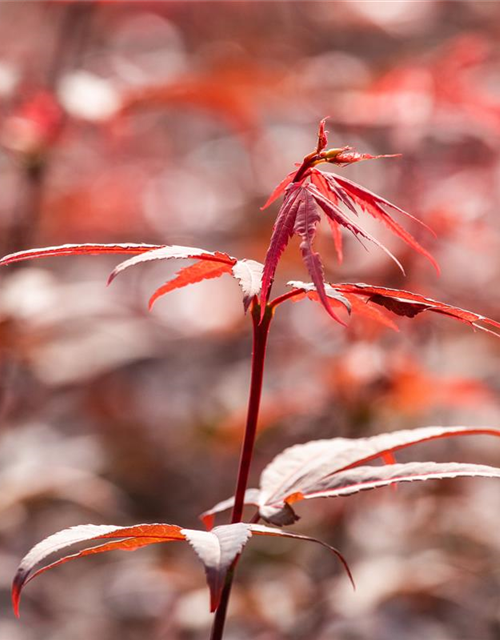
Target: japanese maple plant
(317, 469)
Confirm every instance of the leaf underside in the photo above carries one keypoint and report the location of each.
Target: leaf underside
(248, 273)
(331, 468)
(217, 549)
(169, 252)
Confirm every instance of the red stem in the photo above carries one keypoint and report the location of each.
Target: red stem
(308, 162)
(261, 326)
(260, 333)
(285, 296)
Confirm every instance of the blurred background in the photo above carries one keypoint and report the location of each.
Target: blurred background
(170, 123)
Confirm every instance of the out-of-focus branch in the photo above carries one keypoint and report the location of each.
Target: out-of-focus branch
(43, 123)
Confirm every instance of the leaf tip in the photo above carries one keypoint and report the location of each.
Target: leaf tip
(345, 564)
(151, 301)
(322, 136)
(351, 579)
(17, 586)
(214, 601)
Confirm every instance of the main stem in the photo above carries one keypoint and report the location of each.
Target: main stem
(260, 333)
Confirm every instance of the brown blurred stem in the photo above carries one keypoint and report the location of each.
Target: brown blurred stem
(72, 32)
(28, 207)
(260, 334)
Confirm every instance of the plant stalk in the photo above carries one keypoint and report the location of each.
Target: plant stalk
(260, 333)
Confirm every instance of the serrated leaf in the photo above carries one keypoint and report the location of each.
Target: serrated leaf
(202, 270)
(337, 238)
(352, 303)
(280, 189)
(372, 204)
(305, 225)
(402, 303)
(217, 549)
(337, 215)
(367, 310)
(359, 479)
(249, 276)
(78, 249)
(329, 191)
(330, 292)
(406, 303)
(282, 232)
(210, 264)
(303, 471)
(129, 539)
(169, 252)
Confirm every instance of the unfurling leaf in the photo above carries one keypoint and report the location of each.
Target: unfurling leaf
(350, 155)
(322, 136)
(300, 214)
(331, 468)
(217, 549)
(308, 191)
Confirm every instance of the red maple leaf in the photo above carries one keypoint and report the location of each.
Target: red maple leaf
(309, 192)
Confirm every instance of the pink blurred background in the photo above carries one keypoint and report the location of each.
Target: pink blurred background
(170, 123)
